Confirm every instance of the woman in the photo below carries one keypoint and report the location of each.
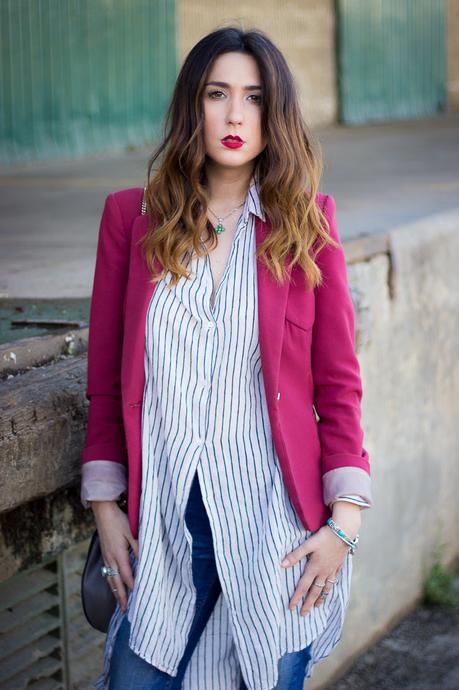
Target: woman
(225, 392)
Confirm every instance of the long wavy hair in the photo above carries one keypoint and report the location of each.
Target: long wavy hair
(288, 169)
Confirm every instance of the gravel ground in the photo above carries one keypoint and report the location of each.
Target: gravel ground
(420, 653)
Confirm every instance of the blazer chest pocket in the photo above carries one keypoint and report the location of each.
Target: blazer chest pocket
(300, 310)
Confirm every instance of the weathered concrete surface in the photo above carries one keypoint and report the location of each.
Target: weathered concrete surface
(408, 352)
(40, 529)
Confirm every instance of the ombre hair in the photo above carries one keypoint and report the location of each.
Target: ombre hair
(288, 169)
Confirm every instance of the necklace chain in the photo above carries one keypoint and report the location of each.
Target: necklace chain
(220, 228)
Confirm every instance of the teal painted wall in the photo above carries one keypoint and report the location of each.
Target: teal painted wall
(83, 76)
(391, 58)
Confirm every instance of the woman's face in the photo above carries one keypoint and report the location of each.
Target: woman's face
(232, 109)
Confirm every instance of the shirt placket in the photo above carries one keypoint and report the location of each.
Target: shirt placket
(211, 323)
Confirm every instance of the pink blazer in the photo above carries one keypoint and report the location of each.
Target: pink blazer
(310, 370)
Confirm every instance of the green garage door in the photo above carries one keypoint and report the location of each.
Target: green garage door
(80, 76)
(391, 59)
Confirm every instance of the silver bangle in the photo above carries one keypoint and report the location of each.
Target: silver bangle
(352, 543)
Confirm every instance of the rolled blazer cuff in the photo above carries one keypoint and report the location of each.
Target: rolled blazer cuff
(102, 480)
(346, 482)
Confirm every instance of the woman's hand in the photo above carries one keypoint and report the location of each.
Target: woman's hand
(328, 553)
(115, 537)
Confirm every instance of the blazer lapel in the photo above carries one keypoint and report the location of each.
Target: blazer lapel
(138, 296)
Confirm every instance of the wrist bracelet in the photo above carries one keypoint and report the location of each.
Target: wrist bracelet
(352, 543)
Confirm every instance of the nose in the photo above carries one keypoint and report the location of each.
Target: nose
(234, 112)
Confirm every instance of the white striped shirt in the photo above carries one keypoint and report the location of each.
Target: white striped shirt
(205, 410)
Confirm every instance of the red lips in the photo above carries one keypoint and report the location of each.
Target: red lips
(232, 142)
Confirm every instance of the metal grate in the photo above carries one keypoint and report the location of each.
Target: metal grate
(45, 641)
(84, 645)
(31, 652)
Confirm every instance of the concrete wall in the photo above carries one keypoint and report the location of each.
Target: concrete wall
(304, 32)
(408, 348)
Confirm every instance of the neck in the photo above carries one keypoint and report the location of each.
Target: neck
(227, 187)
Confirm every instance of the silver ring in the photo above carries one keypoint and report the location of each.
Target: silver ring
(114, 589)
(332, 581)
(108, 571)
(316, 584)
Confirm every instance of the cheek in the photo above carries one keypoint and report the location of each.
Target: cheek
(210, 134)
(210, 119)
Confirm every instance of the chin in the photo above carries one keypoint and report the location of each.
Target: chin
(230, 162)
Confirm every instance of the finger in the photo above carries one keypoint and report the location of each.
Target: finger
(302, 587)
(314, 593)
(115, 582)
(124, 567)
(118, 589)
(326, 590)
(134, 545)
(297, 554)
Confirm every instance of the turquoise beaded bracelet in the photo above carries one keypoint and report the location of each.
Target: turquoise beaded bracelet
(352, 543)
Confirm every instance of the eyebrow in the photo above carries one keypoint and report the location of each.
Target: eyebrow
(251, 87)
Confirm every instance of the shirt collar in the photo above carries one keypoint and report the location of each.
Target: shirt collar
(252, 202)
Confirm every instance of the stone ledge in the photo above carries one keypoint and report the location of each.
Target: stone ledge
(43, 416)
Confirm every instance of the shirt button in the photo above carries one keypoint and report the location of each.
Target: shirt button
(278, 395)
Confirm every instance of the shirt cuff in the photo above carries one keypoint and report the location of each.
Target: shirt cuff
(352, 484)
(351, 498)
(102, 480)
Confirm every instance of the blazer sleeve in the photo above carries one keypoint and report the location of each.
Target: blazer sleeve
(336, 376)
(105, 438)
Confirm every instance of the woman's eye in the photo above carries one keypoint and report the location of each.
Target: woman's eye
(212, 94)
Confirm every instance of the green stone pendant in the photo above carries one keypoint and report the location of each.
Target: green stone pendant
(219, 228)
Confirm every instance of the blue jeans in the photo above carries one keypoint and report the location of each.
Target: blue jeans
(128, 671)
